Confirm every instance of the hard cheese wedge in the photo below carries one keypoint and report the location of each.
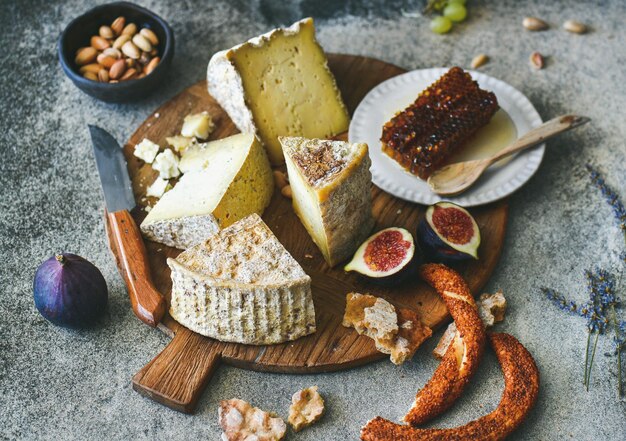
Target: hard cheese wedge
(279, 84)
(331, 186)
(223, 182)
(241, 285)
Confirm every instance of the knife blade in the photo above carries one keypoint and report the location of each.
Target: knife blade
(148, 304)
(116, 185)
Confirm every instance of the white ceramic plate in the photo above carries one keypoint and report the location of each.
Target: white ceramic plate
(395, 94)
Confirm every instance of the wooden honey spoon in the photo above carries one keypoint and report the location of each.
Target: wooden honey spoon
(456, 178)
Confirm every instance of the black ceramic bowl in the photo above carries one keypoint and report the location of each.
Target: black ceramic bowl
(78, 33)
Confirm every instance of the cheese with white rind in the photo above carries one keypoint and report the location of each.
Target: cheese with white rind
(235, 180)
(331, 186)
(241, 285)
(279, 84)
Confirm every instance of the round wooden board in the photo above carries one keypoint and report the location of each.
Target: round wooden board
(177, 376)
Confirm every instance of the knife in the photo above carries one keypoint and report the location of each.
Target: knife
(148, 304)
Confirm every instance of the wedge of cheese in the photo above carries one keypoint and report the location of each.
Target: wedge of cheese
(241, 285)
(279, 84)
(223, 181)
(331, 186)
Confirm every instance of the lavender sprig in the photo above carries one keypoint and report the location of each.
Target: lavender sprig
(610, 196)
(600, 311)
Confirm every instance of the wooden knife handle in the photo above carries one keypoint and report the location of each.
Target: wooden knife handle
(148, 303)
(180, 373)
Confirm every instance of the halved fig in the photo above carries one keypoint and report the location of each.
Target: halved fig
(449, 233)
(386, 257)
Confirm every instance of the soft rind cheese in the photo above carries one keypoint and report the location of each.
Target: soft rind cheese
(279, 84)
(235, 180)
(331, 186)
(241, 285)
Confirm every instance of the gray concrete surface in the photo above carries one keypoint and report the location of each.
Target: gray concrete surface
(75, 385)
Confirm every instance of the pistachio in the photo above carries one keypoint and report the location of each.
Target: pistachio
(129, 74)
(479, 60)
(99, 43)
(151, 65)
(93, 68)
(117, 70)
(150, 35)
(130, 50)
(575, 27)
(112, 52)
(103, 76)
(106, 32)
(85, 56)
(106, 61)
(142, 42)
(534, 24)
(118, 25)
(90, 76)
(130, 29)
(286, 191)
(536, 60)
(120, 41)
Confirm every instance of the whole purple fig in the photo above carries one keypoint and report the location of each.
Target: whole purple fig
(70, 291)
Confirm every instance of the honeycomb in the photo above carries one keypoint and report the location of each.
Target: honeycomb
(443, 117)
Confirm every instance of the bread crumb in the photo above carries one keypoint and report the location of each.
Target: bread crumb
(240, 421)
(307, 406)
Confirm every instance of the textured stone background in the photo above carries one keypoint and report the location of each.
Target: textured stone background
(60, 384)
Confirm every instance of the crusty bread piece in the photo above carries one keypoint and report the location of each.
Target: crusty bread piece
(412, 333)
(398, 334)
(307, 406)
(242, 422)
(491, 309)
(354, 314)
(381, 321)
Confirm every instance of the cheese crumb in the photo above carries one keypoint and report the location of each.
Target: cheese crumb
(166, 163)
(158, 187)
(179, 143)
(146, 150)
(199, 125)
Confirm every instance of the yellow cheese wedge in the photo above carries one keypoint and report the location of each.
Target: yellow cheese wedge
(223, 182)
(279, 84)
(331, 186)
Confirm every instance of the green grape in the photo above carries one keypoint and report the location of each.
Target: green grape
(455, 12)
(461, 2)
(440, 25)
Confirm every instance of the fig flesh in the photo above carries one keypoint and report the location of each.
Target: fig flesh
(387, 256)
(448, 233)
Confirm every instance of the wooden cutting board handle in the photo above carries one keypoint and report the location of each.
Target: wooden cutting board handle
(180, 373)
(148, 303)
